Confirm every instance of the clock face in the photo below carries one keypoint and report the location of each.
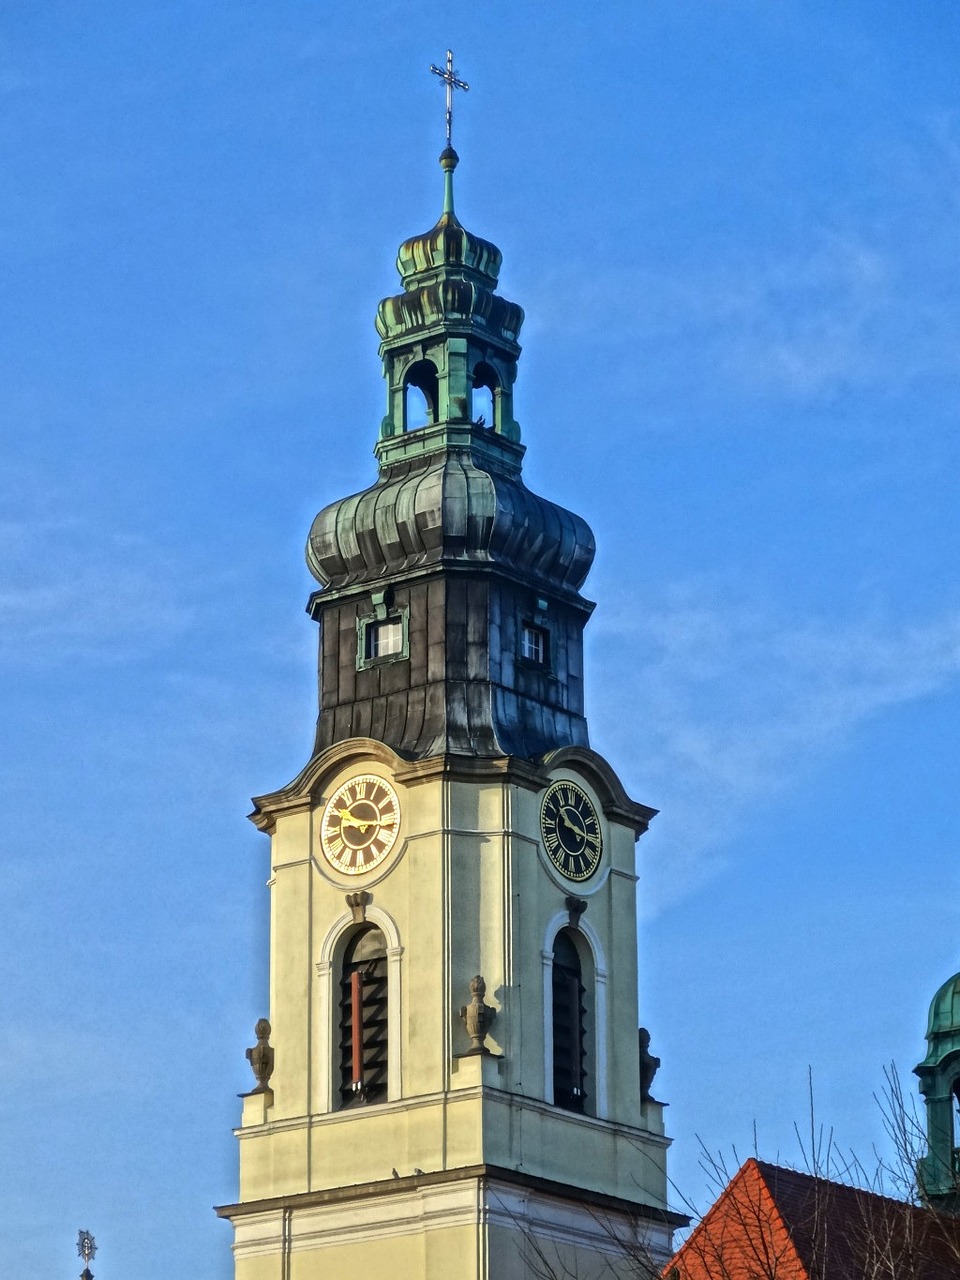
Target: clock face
(360, 824)
(571, 831)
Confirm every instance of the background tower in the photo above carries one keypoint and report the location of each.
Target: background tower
(939, 1074)
(453, 1080)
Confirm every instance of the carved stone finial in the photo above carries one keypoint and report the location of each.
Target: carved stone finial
(576, 907)
(357, 902)
(648, 1066)
(260, 1056)
(477, 1016)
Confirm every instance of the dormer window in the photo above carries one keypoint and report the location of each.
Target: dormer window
(382, 639)
(533, 644)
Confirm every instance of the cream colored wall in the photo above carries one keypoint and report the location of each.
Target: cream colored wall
(472, 1229)
(467, 891)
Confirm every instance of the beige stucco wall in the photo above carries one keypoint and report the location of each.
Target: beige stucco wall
(467, 889)
(473, 1229)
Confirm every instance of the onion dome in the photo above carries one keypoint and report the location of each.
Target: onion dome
(945, 1009)
(445, 509)
(449, 276)
(449, 603)
(448, 244)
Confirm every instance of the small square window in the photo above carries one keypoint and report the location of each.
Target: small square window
(384, 638)
(533, 644)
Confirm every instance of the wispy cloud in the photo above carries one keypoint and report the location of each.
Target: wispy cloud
(70, 589)
(866, 300)
(734, 703)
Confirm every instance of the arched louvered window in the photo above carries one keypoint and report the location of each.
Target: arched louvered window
(569, 1025)
(363, 1019)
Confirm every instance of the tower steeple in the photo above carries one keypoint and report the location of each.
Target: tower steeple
(450, 1080)
(450, 606)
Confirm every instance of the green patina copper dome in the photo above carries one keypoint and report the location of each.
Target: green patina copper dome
(945, 1009)
(449, 493)
(449, 276)
(449, 245)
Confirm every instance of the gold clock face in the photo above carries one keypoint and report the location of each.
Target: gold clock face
(360, 824)
(571, 831)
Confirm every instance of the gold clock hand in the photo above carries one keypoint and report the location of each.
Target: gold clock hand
(360, 823)
(572, 825)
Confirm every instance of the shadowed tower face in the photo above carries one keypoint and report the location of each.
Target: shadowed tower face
(450, 1079)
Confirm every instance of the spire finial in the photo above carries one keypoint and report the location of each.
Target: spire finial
(449, 78)
(448, 157)
(87, 1249)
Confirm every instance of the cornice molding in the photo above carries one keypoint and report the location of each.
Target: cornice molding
(617, 805)
(484, 1175)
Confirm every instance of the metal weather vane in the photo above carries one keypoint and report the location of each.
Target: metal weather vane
(449, 78)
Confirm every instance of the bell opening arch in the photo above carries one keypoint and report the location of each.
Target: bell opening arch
(334, 948)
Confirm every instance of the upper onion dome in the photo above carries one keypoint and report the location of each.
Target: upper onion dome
(448, 244)
(449, 277)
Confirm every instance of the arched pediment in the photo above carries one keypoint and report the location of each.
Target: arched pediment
(616, 804)
(301, 792)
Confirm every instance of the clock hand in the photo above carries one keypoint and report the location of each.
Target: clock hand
(360, 823)
(572, 825)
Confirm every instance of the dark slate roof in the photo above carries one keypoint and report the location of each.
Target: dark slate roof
(445, 509)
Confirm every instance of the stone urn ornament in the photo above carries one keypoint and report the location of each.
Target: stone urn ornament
(478, 1017)
(260, 1056)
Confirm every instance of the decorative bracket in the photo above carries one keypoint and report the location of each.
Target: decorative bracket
(576, 907)
(382, 603)
(357, 902)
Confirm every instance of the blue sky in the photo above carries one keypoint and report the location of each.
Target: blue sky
(734, 229)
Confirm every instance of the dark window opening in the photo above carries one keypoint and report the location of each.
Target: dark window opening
(420, 395)
(363, 1019)
(569, 1026)
(533, 644)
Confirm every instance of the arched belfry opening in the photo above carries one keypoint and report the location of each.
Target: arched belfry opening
(486, 397)
(421, 392)
(364, 1028)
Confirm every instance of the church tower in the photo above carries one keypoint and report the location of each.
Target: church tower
(939, 1074)
(451, 1082)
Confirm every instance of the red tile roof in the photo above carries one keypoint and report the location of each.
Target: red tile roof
(772, 1223)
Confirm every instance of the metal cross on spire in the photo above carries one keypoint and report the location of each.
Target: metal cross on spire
(449, 78)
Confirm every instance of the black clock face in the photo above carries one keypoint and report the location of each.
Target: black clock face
(571, 831)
